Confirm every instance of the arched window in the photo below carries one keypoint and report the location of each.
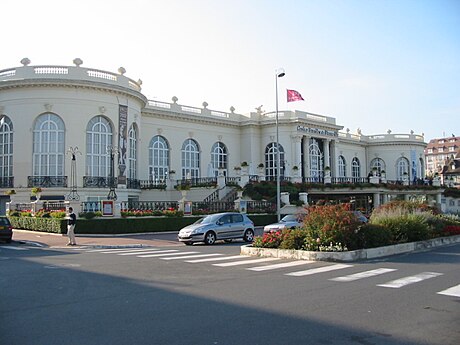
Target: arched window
(402, 168)
(190, 159)
(271, 160)
(219, 158)
(421, 168)
(342, 166)
(132, 154)
(378, 163)
(158, 158)
(316, 159)
(98, 139)
(355, 168)
(6, 152)
(48, 146)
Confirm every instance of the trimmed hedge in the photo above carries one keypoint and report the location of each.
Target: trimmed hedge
(118, 225)
(54, 225)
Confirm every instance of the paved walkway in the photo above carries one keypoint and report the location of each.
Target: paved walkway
(44, 239)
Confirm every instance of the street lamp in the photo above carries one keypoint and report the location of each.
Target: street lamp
(112, 151)
(73, 151)
(279, 73)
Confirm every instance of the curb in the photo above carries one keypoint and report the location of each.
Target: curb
(354, 255)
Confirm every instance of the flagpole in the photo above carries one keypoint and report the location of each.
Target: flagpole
(279, 73)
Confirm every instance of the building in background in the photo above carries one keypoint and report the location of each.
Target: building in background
(72, 128)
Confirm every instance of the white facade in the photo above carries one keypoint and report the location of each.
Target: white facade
(48, 109)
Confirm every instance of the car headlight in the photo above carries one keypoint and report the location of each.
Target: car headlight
(196, 231)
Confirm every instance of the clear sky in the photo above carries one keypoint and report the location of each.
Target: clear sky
(374, 65)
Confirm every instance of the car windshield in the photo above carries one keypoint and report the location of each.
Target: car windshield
(289, 218)
(212, 218)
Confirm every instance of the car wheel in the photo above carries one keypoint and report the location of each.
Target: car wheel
(210, 238)
(248, 236)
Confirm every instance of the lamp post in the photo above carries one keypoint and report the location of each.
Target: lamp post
(112, 151)
(73, 195)
(279, 73)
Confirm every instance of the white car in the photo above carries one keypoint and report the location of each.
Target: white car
(291, 221)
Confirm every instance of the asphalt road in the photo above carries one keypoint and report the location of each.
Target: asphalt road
(167, 295)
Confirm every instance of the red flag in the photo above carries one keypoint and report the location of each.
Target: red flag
(293, 95)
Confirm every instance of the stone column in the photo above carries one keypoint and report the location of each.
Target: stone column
(285, 198)
(304, 198)
(297, 156)
(376, 200)
(306, 156)
(326, 143)
(333, 159)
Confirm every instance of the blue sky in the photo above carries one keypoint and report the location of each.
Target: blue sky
(373, 65)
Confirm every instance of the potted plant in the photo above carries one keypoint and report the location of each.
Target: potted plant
(10, 192)
(295, 168)
(261, 165)
(36, 191)
(244, 164)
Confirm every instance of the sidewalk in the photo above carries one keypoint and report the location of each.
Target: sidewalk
(43, 239)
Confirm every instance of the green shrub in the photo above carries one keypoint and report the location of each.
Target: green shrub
(406, 227)
(373, 235)
(39, 224)
(330, 224)
(270, 239)
(293, 239)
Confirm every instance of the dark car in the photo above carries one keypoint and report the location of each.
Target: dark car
(6, 230)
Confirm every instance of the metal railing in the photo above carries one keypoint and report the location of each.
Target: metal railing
(99, 181)
(198, 182)
(47, 181)
(152, 184)
(254, 206)
(213, 207)
(7, 182)
(153, 205)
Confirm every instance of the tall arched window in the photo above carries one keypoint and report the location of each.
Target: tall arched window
(316, 159)
(342, 166)
(132, 154)
(378, 163)
(48, 146)
(158, 158)
(355, 168)
(190, 159)
(6, 152)
(402, 168)
(271, 160)
(98, 139)
(421, 168)
(219, 158)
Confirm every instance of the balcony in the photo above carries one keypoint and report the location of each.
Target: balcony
(99, 182)
(47, 181)
(7, 182)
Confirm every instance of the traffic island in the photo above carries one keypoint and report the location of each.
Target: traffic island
(353, 255)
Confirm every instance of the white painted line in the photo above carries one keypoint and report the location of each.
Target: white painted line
(217, 259)
(113, 250)
(151, 251)
(318, 270)
(190, 256)
(244, 262)
(361, 275)
(453, 291)
(398, 283)
(164, 251)
(14, 248)
(281, 265)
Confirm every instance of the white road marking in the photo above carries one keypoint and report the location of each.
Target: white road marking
(453, 291)
(244, 262)
(361, 275)
(318, 270)
(14, 248)
(118, 250)
(164, 251)
(281, 265)
(190, 256)
(151, 251)
(217, 259)
(398, 283)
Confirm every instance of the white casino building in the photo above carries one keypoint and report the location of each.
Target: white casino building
(48, 110)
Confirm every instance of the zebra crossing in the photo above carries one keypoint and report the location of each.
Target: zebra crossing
(258, 264)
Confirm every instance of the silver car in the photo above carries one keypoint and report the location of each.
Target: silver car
(219, 226)
(291, 221)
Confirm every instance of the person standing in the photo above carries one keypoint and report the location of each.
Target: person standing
(71, 221)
